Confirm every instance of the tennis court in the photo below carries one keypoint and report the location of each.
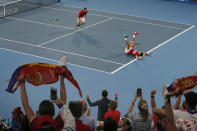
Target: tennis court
(48, 32)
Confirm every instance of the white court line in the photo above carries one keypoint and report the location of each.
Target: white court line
(172, 27)
(62, 51)
(65, 10)
(16, 41)
(171, 38)
(54, 60)
(155, 48)
(146, 18)
(75, 31)
(38, 23)
(128, 15)
(149, 23)
(74, 11)
(8, 3)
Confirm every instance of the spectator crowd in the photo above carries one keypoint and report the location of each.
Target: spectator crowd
(76, 115)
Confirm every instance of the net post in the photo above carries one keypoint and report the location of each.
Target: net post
(4, 10)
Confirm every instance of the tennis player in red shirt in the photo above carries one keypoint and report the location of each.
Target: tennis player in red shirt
(81, 17)
(129, 49)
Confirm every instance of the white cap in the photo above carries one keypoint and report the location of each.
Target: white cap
(63, 61)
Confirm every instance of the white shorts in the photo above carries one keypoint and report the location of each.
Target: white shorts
(127, 50)
(81, 20)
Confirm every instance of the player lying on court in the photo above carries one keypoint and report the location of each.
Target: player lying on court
(129, 48)
(81, 17)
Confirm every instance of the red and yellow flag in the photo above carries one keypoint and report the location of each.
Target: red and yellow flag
(39, 74)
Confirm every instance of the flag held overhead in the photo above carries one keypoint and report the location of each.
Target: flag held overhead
(39, 74)
(181, 85)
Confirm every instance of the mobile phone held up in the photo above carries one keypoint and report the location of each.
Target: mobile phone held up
(53, 93)
(139, 92)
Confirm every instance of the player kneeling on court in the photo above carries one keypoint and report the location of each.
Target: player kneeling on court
(129, 49)
(81, 17)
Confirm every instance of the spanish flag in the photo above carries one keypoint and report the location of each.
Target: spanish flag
(181, 85)
(39, 74)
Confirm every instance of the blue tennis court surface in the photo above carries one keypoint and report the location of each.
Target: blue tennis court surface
(49, 32)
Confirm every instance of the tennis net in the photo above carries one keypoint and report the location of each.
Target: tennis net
(13, 7)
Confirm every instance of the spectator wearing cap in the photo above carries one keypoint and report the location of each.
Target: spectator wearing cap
(86, 118)
(115, 114)
(17, 117)
(186, 119)
(141, 120)
(102, 106)
(76, 109)
(46, 110)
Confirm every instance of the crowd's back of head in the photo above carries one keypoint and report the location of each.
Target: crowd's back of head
(191, 100)
(104, 93)
(75, 108)
(46, 108)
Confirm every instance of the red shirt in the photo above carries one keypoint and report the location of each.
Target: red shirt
(82, 13)
(82, 127)
(115, 114)
(155, 122)
(134, 52)
(58, 123)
